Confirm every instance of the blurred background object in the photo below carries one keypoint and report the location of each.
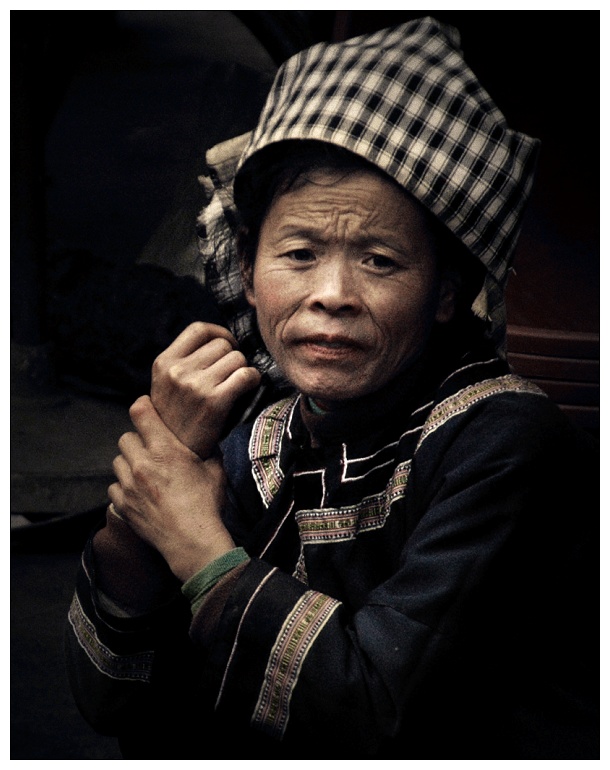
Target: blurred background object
(111, 115)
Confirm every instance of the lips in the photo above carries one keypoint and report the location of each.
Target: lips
(330, 346)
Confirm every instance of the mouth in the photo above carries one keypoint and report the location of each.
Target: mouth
(330, 346)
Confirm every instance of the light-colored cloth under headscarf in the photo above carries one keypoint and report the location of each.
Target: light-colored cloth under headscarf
(405, 100)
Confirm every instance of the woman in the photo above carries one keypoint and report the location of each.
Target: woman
(380, 563)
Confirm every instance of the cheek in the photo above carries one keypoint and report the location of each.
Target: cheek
(266, 298)
(407, 316)
(276, 294)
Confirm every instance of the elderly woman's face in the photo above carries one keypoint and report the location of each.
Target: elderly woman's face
(346, 284)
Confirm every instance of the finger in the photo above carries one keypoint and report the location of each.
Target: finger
(194, 336)
(170, 368)
(115, 495)
(149, 425)
(222, 369)
(201, 381)
(114, 511)
(122, 470)
(224, 382)
(129, 445)
(232, 395)
(204, 357)
(238, 383)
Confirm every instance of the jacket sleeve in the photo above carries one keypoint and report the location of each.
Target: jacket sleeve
(124, 596)
(483, 563)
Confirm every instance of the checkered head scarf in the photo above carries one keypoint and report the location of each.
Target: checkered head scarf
(405, 100)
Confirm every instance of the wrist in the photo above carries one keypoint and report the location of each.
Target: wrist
(188, 561)
(197, 587)
(129, 571)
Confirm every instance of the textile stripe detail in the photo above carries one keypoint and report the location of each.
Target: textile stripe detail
(264, 449)
(135, 667)
(300, 630)
(332, 525)
(467, 397)
(335, 525)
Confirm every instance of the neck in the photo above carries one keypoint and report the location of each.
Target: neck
(317, 407)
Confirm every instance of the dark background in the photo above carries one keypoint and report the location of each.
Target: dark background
(111, 114)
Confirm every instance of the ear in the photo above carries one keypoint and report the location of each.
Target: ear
(247, 279)
(246, 266)
(450, 285)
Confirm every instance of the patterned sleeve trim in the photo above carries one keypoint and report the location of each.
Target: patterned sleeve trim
(135, 667)
(300, 630)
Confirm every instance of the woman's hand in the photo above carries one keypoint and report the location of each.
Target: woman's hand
(169, 496)
(195, 383)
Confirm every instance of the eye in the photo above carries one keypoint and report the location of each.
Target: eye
(300, 255)
(382, 262)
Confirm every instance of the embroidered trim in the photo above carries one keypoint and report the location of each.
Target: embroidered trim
(335, 525)
(264, 448)
(462, 400)
(326, 525)
(137, 667)
(300, 630)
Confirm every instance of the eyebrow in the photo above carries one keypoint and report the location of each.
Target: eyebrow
(315, 235)
(303, 231)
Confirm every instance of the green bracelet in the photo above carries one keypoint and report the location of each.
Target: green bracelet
(203, 581)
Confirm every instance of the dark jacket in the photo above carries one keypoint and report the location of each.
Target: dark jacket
(421, 585)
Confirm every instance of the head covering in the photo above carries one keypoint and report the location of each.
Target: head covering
(405, 100)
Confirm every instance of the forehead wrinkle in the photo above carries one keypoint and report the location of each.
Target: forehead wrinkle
(321, 220)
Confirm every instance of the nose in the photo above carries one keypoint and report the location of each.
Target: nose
(334, 288)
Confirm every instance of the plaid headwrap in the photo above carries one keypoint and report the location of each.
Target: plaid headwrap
(218, 266)
(405, 100)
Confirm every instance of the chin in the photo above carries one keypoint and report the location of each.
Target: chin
(334, 385)
(334, 392)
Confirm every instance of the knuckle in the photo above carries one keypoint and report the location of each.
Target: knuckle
(222, 346)
(159, 365)
(250, 375)
(197, 328)
(238, 358)
(199, 332)
(174, 373)
(192, 387)
(122, 441)
(139, 406)
(139, 472)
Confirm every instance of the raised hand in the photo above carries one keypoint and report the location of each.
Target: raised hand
(195, 383)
